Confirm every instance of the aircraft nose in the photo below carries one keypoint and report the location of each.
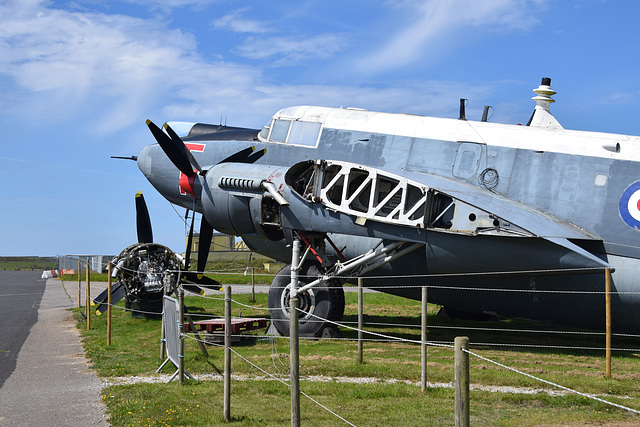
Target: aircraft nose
(144, 161)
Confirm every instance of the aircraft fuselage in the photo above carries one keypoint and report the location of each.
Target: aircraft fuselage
(575, 194)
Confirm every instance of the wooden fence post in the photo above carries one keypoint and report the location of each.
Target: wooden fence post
(360, 320)
(462, 381)
(79, 286)
(227, 353)
(423, 338)
(109, 266)
(294, 349)
(88, 299)
(253, 284)
(608, 321)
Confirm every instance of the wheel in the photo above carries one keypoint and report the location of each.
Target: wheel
(326, 301)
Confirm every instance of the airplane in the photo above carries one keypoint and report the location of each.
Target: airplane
(516, 221)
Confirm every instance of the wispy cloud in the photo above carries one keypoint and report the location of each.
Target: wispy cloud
(236, 22)
(431, 26)
(113, 68)
(292, 50)
(118, 70)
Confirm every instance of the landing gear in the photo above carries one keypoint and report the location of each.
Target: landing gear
(319, 293)
(323, 301)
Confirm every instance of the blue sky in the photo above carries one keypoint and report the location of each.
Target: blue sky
(79, 78)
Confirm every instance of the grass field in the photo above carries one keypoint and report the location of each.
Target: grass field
(393, 398)
(33, 263)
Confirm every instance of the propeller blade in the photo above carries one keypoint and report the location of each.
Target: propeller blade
(178, 142)
(117, 293)
(240, 156)
(189, 243)
(206, 234)
(193, 288)
(255, 156)
(143, 222)
(204, 281)
(175, 150)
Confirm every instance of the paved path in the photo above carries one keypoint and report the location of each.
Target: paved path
(45, 378)
(20, 295)
(52, 383)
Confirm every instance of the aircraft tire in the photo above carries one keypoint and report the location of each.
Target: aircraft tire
(325, 301)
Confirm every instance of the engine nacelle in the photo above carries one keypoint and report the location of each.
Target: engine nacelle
(241, 199)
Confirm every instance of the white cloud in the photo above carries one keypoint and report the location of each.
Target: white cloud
(119, 70)
(292, 50)
(234, 21)
(432, 26)
(168, 5)
(65, 63)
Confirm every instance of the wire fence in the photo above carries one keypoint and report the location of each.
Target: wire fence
(379, 337)
(235, 271)
(388, 338)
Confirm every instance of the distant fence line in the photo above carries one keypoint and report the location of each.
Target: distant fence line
(98, 263)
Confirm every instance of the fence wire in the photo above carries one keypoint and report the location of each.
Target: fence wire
(552, 383)
(389, 338)
(281, 381)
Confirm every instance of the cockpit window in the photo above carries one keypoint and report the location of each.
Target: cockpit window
(291, 132)
(304, 133)
(280, 130)
(264, 133)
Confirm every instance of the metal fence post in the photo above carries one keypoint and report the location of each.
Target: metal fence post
(163, 331)
(181, 329)
(462, 381)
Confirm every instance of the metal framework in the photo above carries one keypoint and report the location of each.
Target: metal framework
(370, 194)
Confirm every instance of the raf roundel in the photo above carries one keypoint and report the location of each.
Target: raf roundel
(630, 205)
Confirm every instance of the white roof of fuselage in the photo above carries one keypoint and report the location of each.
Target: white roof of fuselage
(583, 143)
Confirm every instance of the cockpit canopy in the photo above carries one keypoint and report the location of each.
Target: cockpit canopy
(293, 125)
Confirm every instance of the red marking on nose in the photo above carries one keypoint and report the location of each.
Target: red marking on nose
(186, 184)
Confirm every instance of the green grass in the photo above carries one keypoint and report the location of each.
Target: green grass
(135, 351)
(33, 263)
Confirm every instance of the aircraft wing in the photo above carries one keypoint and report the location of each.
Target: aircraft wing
(538, 223)
(401, 205)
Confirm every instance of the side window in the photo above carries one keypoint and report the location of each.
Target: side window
(264, 133)
(280, 130)
(304, 133)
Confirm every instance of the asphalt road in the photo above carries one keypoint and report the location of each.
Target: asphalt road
(20, 295)
(44, 376)
(49, 381)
